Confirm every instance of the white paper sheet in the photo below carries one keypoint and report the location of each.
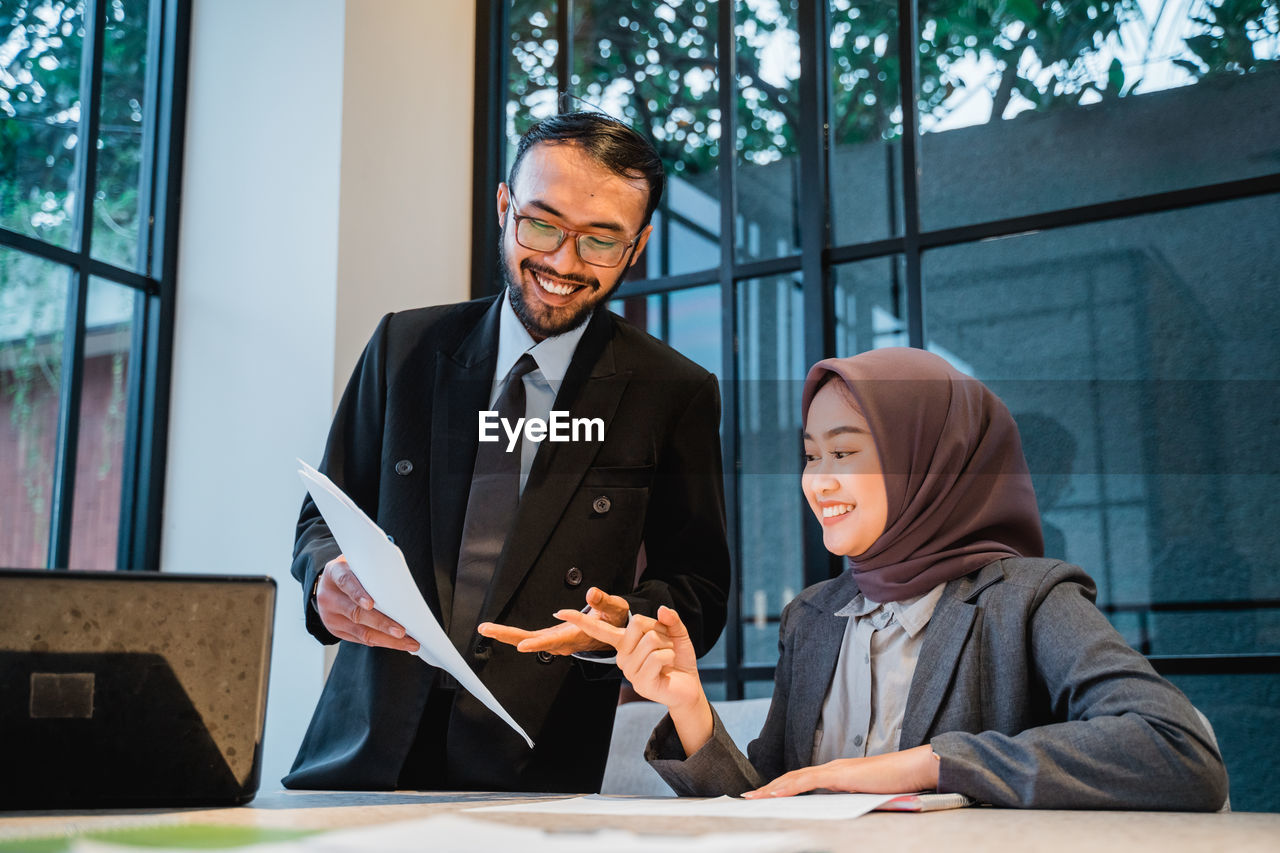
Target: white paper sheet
(454, 834)
(380, 567)
(808, 807)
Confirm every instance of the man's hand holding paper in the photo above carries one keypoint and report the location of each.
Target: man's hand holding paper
(349, 613)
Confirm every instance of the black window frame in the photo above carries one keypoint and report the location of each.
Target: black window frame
(151, 347)
(816, 258)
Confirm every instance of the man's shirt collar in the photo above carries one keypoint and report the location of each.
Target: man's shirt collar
(552, 354)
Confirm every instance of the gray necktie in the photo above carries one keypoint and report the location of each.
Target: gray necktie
(491, 510)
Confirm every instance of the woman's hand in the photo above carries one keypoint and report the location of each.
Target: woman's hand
(657, 657)
(566, 638)
(902, 772)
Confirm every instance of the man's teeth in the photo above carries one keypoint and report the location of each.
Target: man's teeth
(554, 287)
(837, 509)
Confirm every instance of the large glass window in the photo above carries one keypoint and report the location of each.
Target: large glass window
(1074, 202)
(87, 234)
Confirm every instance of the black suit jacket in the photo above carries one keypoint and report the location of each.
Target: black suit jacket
(403, 445)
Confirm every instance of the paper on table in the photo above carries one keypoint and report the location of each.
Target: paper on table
(810, 807)
(454, 834)
(382, 571)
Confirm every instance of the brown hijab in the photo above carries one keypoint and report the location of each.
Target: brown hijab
(959, 492)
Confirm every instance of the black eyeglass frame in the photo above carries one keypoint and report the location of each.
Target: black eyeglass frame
(578, 235)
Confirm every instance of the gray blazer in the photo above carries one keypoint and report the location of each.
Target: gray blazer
(1024, 690)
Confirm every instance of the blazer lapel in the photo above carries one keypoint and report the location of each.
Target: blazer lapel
(591, 389)
(944, 644)
(812, 673)
(463, 382)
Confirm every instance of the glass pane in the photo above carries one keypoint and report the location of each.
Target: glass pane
(654, 66)
(767, 159)
(1244, 711)
(870, 305)
(1140, 359)
(1028, 107)
(124, 69)
(688, 321)
(33, 308)
(40, 43)
(770, 507)
(866, 121)
(104, 407)
(531, 67)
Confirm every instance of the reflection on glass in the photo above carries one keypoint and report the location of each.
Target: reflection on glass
(40, 44)
(654, 66)
(1242, 710)
(531, 67)
(689, 322)
(33, 304)
(103, 408)
(770, 507)
(1028, 107)
(869, 303)
(866, 120)
(1146, 394)
(768, 57)
(124, 68)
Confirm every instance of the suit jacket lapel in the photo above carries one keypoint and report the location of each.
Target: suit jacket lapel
(463, 382)
(944, 644)
(812, 674)
(591, 389)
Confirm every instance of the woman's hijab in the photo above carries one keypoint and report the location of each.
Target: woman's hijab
(959, 491)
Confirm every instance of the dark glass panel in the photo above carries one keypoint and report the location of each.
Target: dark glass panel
(1028, 107)
(866, 121)
(117, 205)
(770, 507)
(33, 308)
(767, 154)
(653, 65)
(40, 47)
(103, 418)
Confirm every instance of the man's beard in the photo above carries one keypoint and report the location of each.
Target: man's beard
(543, 320)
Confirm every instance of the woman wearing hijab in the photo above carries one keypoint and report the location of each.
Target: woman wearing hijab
(950, 656)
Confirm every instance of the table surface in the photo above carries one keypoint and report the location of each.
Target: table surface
(955, 830)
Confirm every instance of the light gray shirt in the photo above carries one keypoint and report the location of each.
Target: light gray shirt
(863, 710)
(540, 386)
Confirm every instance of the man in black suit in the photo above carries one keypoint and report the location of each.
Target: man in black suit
(632, 520)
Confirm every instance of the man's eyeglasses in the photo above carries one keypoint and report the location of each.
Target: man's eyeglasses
(595, 249)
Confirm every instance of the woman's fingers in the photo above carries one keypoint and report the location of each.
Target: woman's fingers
(790, 784)
(593, 627)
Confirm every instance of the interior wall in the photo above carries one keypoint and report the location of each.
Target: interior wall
(319, 187)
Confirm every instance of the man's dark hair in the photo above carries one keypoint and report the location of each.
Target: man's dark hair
(609, 142)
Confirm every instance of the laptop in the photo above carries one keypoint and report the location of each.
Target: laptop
(132, 689)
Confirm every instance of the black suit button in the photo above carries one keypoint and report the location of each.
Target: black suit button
(482, 647)
(391, 539)
(601, 505)
(404, 467)
(545, 657)
(573, 577)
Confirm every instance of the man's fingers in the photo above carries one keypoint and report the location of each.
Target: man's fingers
(597, 629)
(503, 633)
(553, 639)
(354, 632)
(611, 607)
(339, 571)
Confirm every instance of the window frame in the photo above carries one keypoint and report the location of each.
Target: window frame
(151, 345)
(817, 257)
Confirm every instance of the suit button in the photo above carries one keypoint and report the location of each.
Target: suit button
(573, 577)
(601, 505)
(482, 647)
(391, 539)
(404, 467)
(545, 657)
